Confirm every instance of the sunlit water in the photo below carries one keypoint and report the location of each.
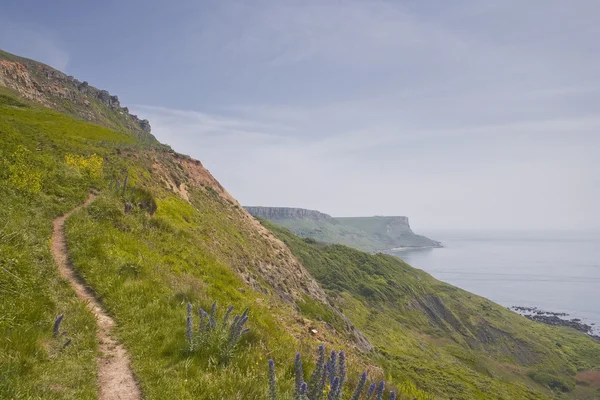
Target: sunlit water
(558, 272)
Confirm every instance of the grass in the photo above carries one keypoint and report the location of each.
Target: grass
(79, 105)
(449, 342)
(148, 261)
(145, 267)
(34, 364)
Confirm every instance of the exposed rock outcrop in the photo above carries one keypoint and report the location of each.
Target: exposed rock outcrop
(371, 234)
(276, 213)
(54, 89)
(276, 266)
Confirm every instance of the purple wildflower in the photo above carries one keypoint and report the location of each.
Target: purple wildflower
(380, 391)
(56, 328)
(371, 390)
(341, 373)
(188, 324)
(315, 377)
(272, 381)
(299, 375)
(212, 318)
(334, 389)
(360, 387)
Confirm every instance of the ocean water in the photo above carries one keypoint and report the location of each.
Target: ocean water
(557, 272)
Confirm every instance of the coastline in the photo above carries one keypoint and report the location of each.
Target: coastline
(557, 319)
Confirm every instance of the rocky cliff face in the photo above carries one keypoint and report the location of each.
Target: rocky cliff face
(371, 234)
(54, 89)
(392, 232)
(278, 213)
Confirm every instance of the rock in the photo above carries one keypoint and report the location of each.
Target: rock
(104, 97)
(145, 125)
(114, 102)
(275, 213)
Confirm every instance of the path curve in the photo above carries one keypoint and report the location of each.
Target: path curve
(115, 378)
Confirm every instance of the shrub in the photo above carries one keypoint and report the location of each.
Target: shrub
(105, 208)
(143, 199)
(20, 174)
(91, 166)
(551, 381)
(214, 339)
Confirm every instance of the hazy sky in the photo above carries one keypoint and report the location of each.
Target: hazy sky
(458, 114)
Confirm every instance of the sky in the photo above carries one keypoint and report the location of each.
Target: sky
(462, 115)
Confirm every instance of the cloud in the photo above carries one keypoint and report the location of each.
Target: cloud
(33, 41)
(469, 114)
(526, 175)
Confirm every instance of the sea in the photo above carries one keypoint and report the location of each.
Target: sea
(557, 272)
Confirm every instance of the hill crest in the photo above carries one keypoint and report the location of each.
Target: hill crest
(54, 89)
(371, 234)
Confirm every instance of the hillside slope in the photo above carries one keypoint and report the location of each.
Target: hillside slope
(370, 234)
(163, 233)
(54, 89)
(450, 342)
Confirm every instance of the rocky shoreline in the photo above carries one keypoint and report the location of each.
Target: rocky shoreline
(555, 319)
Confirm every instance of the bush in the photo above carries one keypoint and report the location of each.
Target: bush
(143, 199)
(19, 172)
(105, 208)
(91, 166)
(551, 381)
(213, 338)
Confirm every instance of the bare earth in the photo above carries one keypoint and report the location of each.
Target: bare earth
(115, 378)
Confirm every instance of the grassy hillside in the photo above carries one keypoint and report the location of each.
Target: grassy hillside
(181, 240)
(163, 233)
(451, 343)
(45, 85)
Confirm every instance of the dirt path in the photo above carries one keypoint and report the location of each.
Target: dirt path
(115, 378)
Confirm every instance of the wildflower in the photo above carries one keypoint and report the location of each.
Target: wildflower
(299, 375)
(272, 381)
(212, 319)
(361, 385)
(331, 367)
(56, 328)
(315, 378)
(371, 391)
(204, 321)
(226, 318)
(341, 373)
(334, 389)
(188, 325)
(380, 391)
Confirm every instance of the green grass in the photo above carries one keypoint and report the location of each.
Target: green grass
(144, 267)
(148, 263)
(77, 104)
(35, 365)
(449, 342)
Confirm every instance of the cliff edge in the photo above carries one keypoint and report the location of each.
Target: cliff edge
(371, 234)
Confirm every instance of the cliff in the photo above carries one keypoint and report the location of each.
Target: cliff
(163, 233)
(54, 89)
(393, 232)
(371, 234)
(278, 213)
